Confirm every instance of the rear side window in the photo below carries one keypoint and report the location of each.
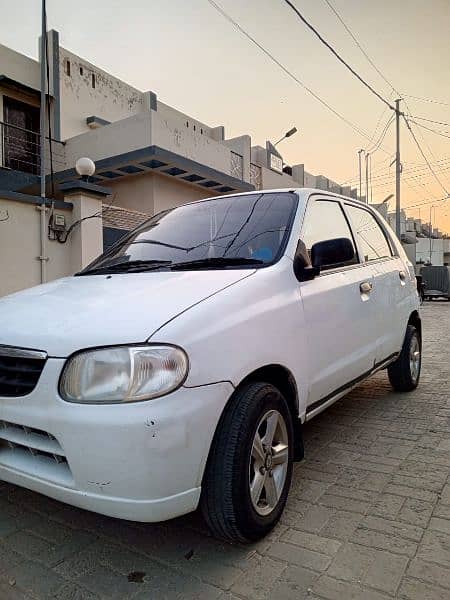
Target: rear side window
(325, 220)
(369, 234)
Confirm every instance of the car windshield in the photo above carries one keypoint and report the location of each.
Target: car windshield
(234, 231)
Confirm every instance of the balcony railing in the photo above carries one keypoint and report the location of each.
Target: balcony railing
(20, 150)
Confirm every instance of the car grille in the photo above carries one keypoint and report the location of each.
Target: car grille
(19, 370)
(33, 451)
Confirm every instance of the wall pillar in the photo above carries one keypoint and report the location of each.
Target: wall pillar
(86, 237)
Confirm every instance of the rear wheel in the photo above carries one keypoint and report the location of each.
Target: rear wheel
(249, 470)
(404, 373)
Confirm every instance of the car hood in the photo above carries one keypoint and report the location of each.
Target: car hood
(72, 313)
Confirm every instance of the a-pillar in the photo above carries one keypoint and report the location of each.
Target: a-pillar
(86, 237)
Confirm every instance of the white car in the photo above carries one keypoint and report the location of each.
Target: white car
(178, 369)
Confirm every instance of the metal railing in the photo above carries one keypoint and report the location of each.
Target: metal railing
(20, 150)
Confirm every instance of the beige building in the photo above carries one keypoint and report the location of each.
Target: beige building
(150, 156)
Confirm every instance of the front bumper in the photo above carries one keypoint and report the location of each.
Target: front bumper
(140, 461)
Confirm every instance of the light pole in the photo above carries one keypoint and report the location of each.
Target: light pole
(367, 155)
(287, 134)
(398, 168)
(360, 173)
(430, 231)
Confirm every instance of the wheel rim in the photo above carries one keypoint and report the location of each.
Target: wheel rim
(268, 462)
(414, 358)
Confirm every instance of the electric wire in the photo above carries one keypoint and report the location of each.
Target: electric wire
(357, 42)
(445, 134)
(380, 140)
(287, 71)
(441, 165)
(337, 55)
(408, 125)
(429, 120)
(426, 100)
(354, 38)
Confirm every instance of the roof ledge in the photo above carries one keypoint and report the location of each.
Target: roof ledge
(95, 122)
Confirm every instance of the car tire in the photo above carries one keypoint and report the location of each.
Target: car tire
(404, 373)
(249, 469)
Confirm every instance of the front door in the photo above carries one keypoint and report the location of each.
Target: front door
(341, 327)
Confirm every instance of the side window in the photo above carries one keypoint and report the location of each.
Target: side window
(325, 220)
(369, 234)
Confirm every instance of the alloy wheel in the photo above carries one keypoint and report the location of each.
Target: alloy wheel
(268, 462)
(414, 358)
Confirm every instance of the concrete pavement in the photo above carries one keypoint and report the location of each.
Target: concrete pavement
(368, 516)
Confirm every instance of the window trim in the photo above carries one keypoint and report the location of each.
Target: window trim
(380, 225)
(339, 201)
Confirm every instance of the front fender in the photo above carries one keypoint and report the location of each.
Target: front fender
(256, 322)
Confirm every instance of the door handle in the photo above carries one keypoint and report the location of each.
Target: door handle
(402, 275)
(366, 287)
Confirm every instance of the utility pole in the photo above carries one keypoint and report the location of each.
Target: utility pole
(360, 173)
(367, 177)
(42, 206)
(431, 244)
(398, 169)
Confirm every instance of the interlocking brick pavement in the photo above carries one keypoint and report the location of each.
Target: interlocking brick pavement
(368, 516)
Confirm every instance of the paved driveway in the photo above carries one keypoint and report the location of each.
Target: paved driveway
(368, 516)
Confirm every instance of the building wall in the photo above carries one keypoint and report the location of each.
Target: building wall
(174, 135)
(111, 99)
(123, 136)
(151, 193)
(133, 193)
(20, 247)
(168, 192)
(172, 114)
(19, 67)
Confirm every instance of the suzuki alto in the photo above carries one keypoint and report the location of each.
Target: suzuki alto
(178, 368)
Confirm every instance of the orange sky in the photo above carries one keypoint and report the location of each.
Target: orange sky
(196, 61)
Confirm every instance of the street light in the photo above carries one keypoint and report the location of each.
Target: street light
(287, 134)
(387, 198)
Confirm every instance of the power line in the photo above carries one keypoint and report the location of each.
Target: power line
(426, 100)
(430, 120)
(423, 155)
(386, 180)
(427, 202)
(419, 178)
(337, 55)
(357, 42)
(442, 165)
(287, 71)
(380, 140)
(386, 80)
(380, 118)
(445, 134)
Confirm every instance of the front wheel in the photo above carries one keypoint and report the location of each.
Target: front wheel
(404, 373)
(249, 469)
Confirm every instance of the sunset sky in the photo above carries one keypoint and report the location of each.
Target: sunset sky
(196, 61)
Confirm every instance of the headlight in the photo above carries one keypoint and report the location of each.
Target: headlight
(123, 374)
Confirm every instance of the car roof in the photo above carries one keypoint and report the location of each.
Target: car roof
(302, 192)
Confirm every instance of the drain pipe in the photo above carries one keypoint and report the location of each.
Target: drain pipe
(42, 207)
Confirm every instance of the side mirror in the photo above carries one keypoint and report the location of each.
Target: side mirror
(332, 252)
(303, 270)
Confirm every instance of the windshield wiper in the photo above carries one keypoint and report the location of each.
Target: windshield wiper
(219, 262)
(131, 266)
